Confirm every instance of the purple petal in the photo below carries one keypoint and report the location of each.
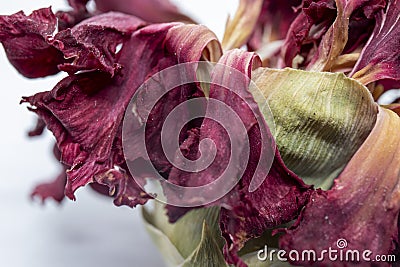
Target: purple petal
(318, 39)
(280, 197)
(25, 41)
(78, 4)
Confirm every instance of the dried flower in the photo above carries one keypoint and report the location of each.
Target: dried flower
(285, 107)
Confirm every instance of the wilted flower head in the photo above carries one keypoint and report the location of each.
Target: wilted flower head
(285, 107)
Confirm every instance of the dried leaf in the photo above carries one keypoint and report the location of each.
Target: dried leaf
(321, 119)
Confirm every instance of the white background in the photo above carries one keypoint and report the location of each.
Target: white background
(88, 232)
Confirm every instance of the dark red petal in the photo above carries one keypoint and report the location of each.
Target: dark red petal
(280, 196)
(25, 41)
(362, 207)
(68, 19)
(39, 128)
(314, 31)
(53, 189)
(122, 187)
(78, 4)
(275, 20)
(149, 10)
(92, 44)
(85, 111)
(299, 39)
(336, 38)
(380, 58)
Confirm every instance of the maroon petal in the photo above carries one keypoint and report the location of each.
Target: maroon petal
(246, 212)
(39, 128)
(53, 189)
(25, 41)
(363, 206)
(336, 38)
(380, 58)
(274, 22)
(85, 111)
(149, 10)
(68, 19)
(92, 44)
(299, 38)
(211, 129)
(78, 4)
(122, 187)
(279, 198)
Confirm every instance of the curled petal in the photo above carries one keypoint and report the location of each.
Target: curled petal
(150, 11)
(25, 41)
(363, 205)
(54, 189)
(68, 19)
(299, 35)
(335, 40)
(246, 212)
(239, 29)
(324, 29)
(122, 187)
(39, 128)
(273, 23)
(85, 110)
(92, 44)
(380, 59)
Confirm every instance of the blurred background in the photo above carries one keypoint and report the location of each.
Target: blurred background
(85, 233)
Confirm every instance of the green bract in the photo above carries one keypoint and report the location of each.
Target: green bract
(195, 240)
(321, 119)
